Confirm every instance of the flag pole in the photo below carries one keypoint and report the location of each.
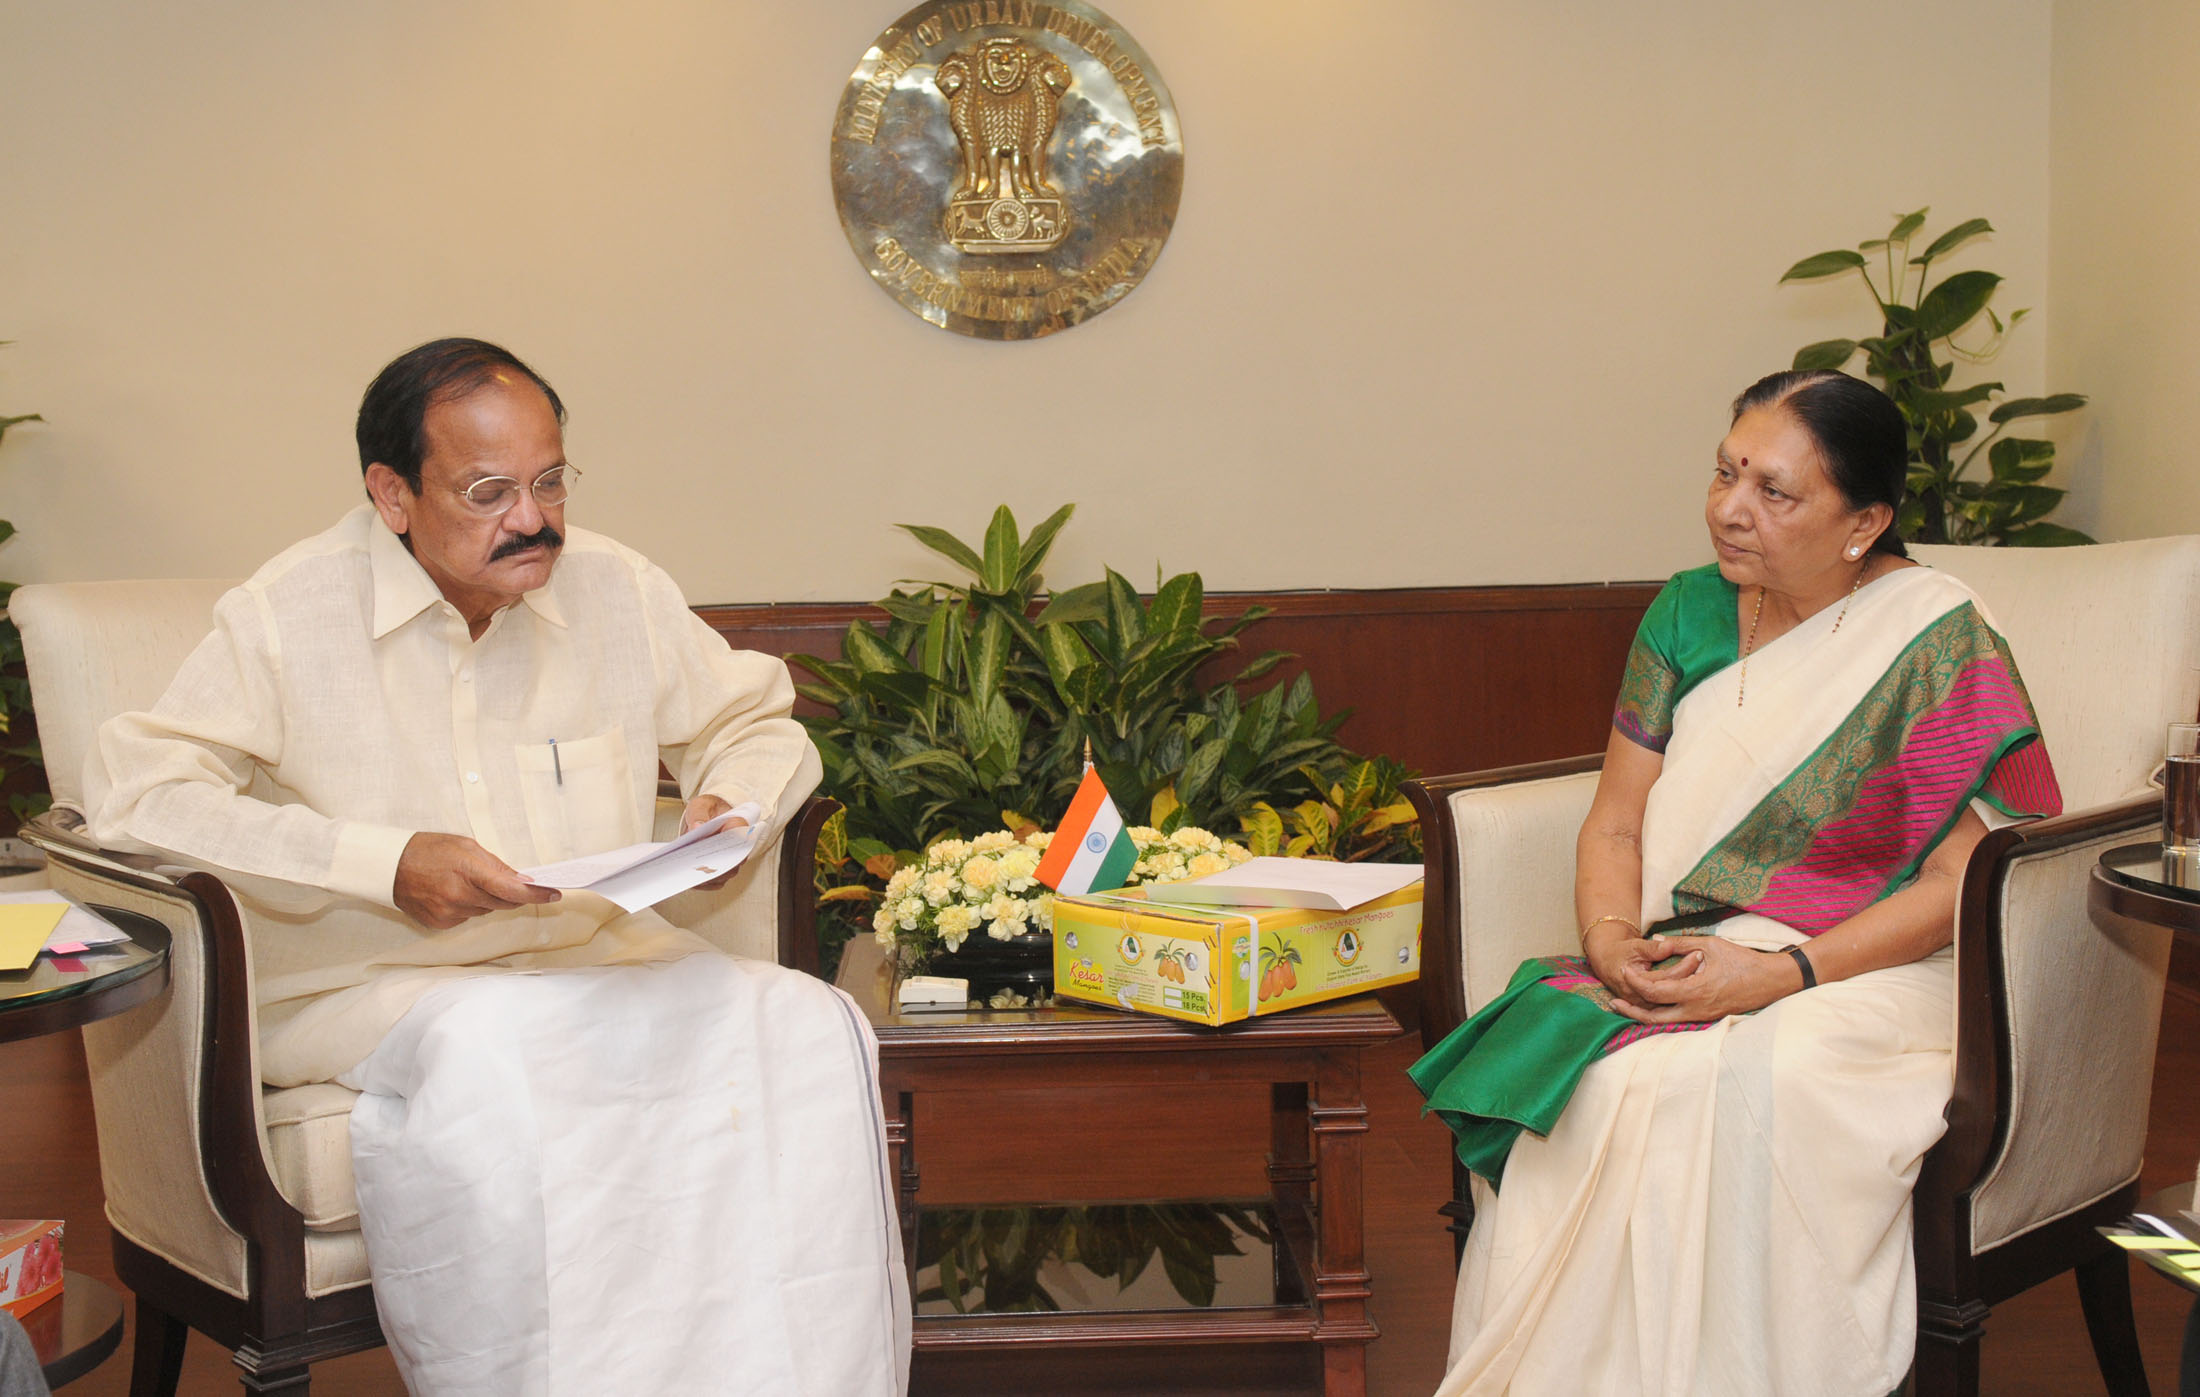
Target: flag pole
(1088, 754)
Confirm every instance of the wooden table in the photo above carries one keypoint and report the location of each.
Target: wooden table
(1309, 1059)
(76, 1333)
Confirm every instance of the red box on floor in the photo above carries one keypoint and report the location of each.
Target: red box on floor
(30, 1264)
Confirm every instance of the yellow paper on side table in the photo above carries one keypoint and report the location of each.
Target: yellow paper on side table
(1216, 965)
(24, 927)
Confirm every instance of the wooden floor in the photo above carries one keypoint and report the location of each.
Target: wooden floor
(1131, 1146)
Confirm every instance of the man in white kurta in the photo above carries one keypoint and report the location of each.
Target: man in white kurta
(594, 1154)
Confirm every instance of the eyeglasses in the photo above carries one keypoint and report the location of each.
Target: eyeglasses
(493, 495)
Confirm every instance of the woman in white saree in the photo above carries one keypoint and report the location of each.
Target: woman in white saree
(1694, 1143)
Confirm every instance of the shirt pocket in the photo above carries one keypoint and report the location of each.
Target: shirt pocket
(579, 795)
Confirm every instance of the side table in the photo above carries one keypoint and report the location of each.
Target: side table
(2129, 881)
(76, 1333)
(1310, 1061)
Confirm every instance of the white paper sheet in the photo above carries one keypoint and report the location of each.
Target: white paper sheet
(1285, 882)
(77, 927)
(642, 875)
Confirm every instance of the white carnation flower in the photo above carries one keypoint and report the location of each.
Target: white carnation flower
(957, 921)
(1006, 916)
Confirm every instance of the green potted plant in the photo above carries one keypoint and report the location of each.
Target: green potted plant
(1948, 503)
(973, 706)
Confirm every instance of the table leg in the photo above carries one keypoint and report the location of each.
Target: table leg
(901, 1138)
(1290, 1158)
(2188, 1363)
(1338, 1118)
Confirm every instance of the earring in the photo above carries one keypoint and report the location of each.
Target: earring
(1854, 551)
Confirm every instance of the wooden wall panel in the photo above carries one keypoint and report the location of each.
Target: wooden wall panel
(1443, 679)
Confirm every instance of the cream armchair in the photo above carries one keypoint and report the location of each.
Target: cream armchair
(232, 1204)
(2055, 1017)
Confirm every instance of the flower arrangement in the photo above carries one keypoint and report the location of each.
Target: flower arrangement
(962, 886)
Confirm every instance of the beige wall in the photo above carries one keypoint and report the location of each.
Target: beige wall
(1457, 292)
(2124, 166)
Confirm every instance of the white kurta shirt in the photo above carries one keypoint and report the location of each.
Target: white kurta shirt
(340, 706)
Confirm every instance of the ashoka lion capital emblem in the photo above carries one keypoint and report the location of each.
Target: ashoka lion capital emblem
(1003, 100)
(1006, 168)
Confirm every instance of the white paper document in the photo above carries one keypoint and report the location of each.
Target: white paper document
(642, 875)
(77, 926)
(1284, 882)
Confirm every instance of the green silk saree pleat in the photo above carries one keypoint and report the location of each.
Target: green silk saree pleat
(1513, 1065)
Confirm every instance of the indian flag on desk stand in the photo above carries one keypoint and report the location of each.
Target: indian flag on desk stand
(1091, 848)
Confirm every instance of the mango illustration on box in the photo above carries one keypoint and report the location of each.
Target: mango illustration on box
(1276, 973)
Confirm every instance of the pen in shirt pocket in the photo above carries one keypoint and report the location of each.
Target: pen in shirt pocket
(556, 766)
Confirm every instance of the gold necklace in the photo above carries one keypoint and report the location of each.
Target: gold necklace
(1854, 588)
(1748, 645)
(1741, 689)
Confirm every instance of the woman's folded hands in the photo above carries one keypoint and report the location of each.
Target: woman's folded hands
(1690, 979)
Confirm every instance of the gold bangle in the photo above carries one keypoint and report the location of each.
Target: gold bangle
(1613, 917)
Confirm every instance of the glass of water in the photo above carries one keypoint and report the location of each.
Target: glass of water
(2181, 806)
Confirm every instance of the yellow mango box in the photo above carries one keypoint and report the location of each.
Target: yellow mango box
(1216, 965)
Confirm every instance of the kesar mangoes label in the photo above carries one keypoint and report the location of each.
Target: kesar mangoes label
(1216, 965)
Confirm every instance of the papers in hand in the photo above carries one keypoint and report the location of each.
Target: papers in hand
(1283, 882)
(45, 921)
(642, 875)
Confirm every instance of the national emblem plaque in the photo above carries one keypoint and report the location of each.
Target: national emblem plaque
(1005, 168)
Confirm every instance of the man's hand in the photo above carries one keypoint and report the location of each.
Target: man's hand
(1714, 979)
(702, 810)
(443, 879)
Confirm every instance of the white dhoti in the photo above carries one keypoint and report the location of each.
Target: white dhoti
(647, 1178)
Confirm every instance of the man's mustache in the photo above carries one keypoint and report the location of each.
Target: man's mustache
(521, 543)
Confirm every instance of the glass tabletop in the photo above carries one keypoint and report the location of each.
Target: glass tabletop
(2144, 867)
(1071, 1258)
(53, 978)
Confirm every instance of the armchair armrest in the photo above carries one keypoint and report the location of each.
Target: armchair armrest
(768, 909)
(62, 832)
(798, 885)
(1445, 903)
(2023, 905)
(175, 1082)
